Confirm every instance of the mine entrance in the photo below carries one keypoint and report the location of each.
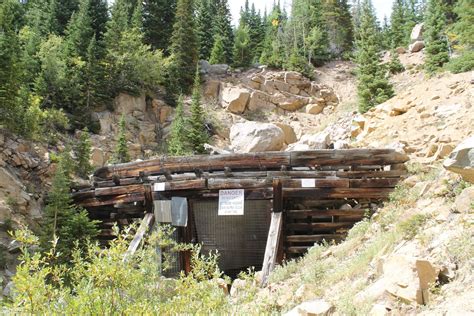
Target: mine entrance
(240, 240)
(290, 200)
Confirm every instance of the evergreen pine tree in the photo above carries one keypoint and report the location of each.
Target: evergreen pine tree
(395, 66)
(184, 46)
(63, 10)
(177, 143)
(79, 31)
(197, 134)
(464, 27)
(82, 152)
(204, 29)
(436, 42)
(121, 154)
(386, 41)
(158, 20)
(10, 66)
(99, 15)
(338, 22)
(242, 49)
(218, 51)
(223, 28)
(372, 87)
(397, 24)
(63, 221)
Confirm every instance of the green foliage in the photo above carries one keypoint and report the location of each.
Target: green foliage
(397, 24)
(436, 41)
(373, 87)
(100, 281)
(463, 63)
(410, 227)
(205, 31)
(464, 26)
(395, 66)
(132, 66)
(177, 143)
(223, 28)
(121, 154)
(10, 67)
(197, 133)
(82, 152)
(242, 49)
(218, 52)
(184, 46)
(298, 63)
(158, 20)
(64, 224)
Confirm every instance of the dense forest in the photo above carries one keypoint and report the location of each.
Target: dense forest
(62, 60)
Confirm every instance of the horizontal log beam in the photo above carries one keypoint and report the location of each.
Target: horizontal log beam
(267, 160)
(303, 213)
(309, 226)
(314, 238)
(338, 193)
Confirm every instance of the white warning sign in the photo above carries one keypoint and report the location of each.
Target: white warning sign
(231, 202)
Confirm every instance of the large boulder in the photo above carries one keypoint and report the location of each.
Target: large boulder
(290, 135)
(311, 142)
(417, 33)
(127, 104)
(235, 99)
(416, 46)
(314, 308)
(256, 137)
(461, 160)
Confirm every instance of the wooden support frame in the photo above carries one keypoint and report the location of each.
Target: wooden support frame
(274, 233)
(147, 222)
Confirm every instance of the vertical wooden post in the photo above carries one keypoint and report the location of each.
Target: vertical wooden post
(273, 239)
(148, 198)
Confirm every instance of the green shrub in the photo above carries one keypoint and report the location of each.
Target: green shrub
(101, 282)
(410, 227)
(462, 63)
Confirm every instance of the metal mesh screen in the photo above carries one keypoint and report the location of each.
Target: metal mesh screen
(240, 240)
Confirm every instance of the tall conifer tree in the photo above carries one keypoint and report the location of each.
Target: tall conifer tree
(184, 46)
(372, 87)
(158, 20)
(10, 66)
(436, 41)
(177, 143)
(197, 134)
(205, 30)
(223, 28)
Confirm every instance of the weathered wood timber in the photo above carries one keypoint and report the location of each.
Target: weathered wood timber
(267, 160)
(316, 195)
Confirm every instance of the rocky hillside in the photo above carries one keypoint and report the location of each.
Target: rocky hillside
(415, 255)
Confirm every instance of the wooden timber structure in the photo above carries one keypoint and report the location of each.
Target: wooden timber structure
(300, 198)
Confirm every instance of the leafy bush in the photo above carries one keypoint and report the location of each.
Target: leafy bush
(410, 227)
(101, 282)
(462, 63)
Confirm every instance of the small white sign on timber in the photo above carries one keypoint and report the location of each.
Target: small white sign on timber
(231, 202)
(308, 183)
(159, 187)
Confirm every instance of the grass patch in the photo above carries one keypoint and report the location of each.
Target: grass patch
(410, 227)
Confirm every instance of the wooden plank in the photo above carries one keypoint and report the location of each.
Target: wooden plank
(303, 213)
(269, 160)
(112, 200)
(231, 183)
(374, 183)
(190, 164)
(271, 248)
(314, 238)
(136, 188)
(347, 157)
(319, 183)
(328, 225)
(146, 223)
(339, 193)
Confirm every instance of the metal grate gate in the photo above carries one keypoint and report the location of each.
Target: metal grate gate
(240, 240)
